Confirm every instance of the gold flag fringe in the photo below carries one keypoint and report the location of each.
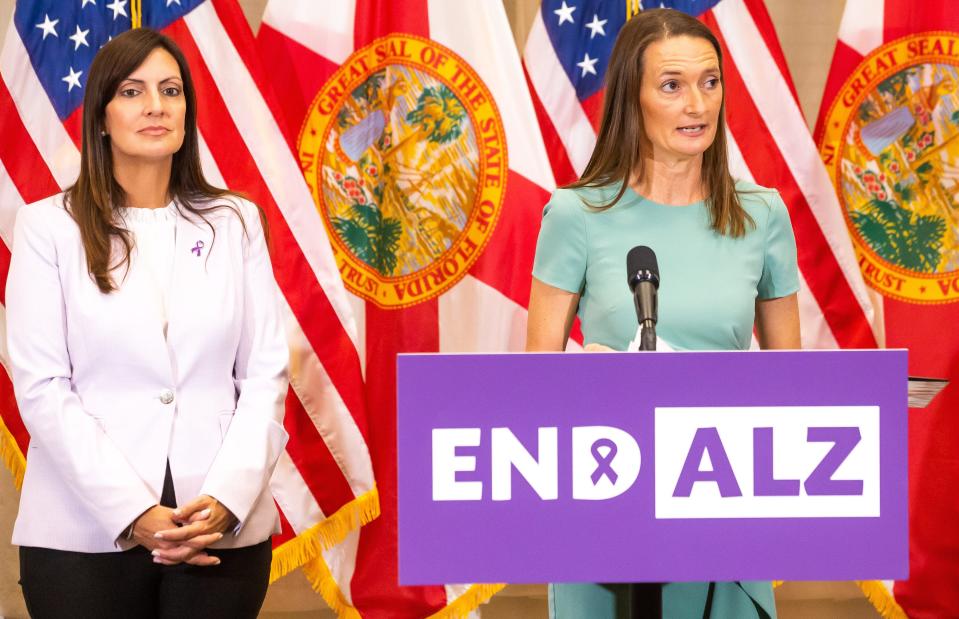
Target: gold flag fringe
(12, 456)
(877, 594)
(461, 607)
(322, 581)
(883, 601)
(309, 544)
(321, 578)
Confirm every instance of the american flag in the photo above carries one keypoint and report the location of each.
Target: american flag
(323, 483)
(769, 141)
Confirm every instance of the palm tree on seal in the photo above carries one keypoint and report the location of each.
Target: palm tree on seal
(437, 117)
(372, 238)
(901, 237)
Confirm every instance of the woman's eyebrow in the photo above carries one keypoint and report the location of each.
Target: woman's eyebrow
(138, 81)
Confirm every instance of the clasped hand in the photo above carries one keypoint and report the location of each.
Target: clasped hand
(182, 535)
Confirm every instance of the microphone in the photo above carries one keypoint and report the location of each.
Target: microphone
(642, 274)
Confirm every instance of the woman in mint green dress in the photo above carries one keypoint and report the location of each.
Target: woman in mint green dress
(659, 177)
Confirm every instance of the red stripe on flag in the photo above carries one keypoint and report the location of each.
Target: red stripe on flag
(317, 318)
(375, 589)
(902, 18)
(844, 61)
(74, 126)
(300, 70)
(237, 28)
(507, 262)
(25, 166)
(817, 263)
(563, 170)
(310, 453)
(378, 18)
(286, 529)
(4, 270)
(757, 10)
(593, 107)
(11, 414)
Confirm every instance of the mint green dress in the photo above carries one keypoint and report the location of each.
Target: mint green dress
(709, 284)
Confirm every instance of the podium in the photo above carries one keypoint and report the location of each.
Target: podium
(652, 467)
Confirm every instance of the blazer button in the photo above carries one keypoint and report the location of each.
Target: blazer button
(166, 396)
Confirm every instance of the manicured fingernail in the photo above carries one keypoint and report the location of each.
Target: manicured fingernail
(216, 562)
(156, 559)
(220, 536)
(158, 535)
(176, 512)
(205, 512)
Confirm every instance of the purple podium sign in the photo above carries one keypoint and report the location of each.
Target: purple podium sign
(662, 467)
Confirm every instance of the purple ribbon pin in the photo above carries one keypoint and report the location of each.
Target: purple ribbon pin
(603, 463)
(197, 248)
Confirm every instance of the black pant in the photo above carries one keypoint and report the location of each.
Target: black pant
(59, 584)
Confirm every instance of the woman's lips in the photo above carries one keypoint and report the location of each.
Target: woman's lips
(692, 130)
(154, 131)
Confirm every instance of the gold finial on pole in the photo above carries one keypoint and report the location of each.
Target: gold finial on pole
(136, 13)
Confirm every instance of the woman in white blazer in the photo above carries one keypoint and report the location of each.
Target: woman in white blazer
(149, 365)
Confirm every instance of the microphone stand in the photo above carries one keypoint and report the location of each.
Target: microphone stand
(646, 599)
(647, 336)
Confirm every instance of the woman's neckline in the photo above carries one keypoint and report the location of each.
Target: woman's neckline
(151, 208)
(145, 213)
(641, 198)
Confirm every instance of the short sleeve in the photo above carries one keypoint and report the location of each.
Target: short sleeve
(561, 248)
(780, 276)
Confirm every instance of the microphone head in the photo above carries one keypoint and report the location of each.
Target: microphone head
(641, 266)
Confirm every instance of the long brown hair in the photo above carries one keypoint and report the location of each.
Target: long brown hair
(92, 199)
(618, 152)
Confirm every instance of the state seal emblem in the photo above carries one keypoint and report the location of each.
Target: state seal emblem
(891, 144)
(405, 154)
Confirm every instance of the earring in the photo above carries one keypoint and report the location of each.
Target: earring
(103, 133)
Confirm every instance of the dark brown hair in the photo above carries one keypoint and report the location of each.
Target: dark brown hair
(92, 199)
(618, 152)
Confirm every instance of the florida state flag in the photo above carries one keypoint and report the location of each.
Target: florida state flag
(416, 134)
(887, 132)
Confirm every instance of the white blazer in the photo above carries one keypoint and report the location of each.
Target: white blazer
(108, 400)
